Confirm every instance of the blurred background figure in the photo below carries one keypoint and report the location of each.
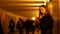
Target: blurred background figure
(46, 20)
(20, 26)
(29, 26)
(11, 26)
(32, 26)
(1, 29)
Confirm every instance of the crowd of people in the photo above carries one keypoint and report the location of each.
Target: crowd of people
(28, 25)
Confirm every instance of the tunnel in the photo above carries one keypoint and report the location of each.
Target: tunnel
(27, 9)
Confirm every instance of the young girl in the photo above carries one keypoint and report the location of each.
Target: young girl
(45, 20)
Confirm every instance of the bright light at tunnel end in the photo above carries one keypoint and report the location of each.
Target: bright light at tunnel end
(33, 18)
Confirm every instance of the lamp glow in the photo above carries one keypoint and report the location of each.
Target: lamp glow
(46, 1)
(33, 18)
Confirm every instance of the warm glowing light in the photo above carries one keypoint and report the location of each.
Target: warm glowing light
(27, 4)
(33, 18)
(46, 1)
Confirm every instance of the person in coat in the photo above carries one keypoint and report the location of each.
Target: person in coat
(11, 26)
(45, 20)
(20, 26)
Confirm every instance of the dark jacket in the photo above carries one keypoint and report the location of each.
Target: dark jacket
(29, 24)
(46, 22)
(11, 24)
(20, 24)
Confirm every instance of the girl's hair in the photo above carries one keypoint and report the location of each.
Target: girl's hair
(45, 8)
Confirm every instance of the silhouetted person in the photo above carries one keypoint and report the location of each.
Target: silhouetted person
(1, 29)
(32, 26)
(29, 26)
(11, 26)
(20, 26)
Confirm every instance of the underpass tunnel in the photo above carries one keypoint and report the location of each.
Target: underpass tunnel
(26, 9)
